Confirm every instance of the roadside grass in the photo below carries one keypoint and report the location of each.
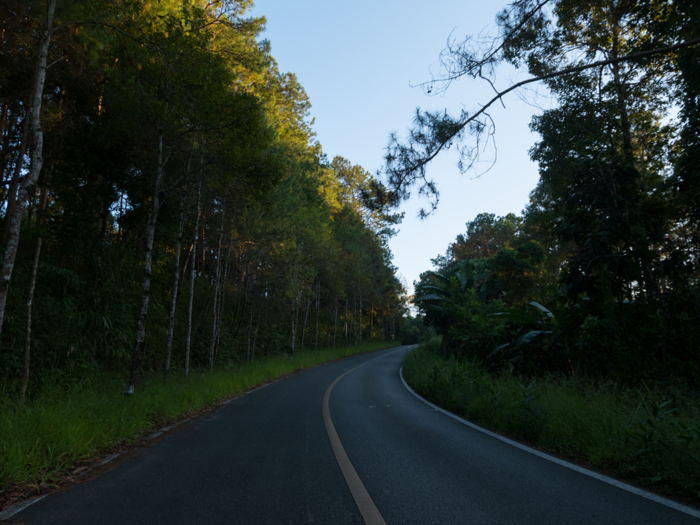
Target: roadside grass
(62, 425)
(652, 435)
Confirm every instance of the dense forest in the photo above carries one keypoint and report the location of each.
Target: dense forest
(599, 275)
(166, 205)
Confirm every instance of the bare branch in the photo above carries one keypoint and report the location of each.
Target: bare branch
(406, 163)
(474, 65)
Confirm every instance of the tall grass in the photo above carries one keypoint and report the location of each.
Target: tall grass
(649, 434)
(62, 424)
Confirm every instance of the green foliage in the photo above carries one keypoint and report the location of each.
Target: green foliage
(541, 340)
(413, 330)
(186, 93)
(610, 236)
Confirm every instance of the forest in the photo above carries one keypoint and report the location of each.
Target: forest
(575, 325)
(598, 276)
(173, 233)
(166, 206)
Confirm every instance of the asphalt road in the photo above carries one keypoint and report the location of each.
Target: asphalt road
(266, 458)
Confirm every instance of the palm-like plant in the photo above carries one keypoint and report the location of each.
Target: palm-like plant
(435, 287)
(541, 331)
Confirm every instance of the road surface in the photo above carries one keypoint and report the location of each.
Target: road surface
(266, 458)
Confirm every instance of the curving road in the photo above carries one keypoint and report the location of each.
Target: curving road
(266, 458)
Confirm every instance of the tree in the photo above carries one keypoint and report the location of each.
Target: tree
(144, 102)
(572, 37)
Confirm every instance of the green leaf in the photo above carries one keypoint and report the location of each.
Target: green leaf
(528, 337)
(542, 308)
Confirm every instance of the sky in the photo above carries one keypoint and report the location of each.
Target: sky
(358, 62)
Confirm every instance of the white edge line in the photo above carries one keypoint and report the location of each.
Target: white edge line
(600, 477)
(14, 509)
(17, 507)
(106, 460)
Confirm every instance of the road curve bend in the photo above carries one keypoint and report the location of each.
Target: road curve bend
(266, 458)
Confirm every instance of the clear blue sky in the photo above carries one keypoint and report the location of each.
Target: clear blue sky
(357, 61)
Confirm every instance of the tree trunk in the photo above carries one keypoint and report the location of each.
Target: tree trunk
(335, 328)
(217, 280)
(294, 304)
(347, 333)
(19, 162)
(621, 100)
(204, 255)
(43, 199)
(184, 274)
(212, 343)
(306, 318)
(147, 275)
(257, 325)
(222, 298)
(30, 207)
(15, 217)
(6, 148)
(28, 333)
(250, 329)
(192, 270)
(360, 316)
(176, 272)
(354, 318)
(318, 308)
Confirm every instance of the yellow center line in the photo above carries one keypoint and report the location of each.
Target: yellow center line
(359, 493)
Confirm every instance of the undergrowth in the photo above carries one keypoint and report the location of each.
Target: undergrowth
(652, 434)
(62, 424)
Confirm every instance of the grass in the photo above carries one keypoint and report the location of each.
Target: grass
(60, 426)
(648, 434)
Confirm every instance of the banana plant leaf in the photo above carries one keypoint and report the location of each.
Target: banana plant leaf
(516, 316)
(495, 350)
(428, 297)
(542, 308)
(530, 336)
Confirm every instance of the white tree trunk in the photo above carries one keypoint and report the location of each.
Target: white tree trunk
(306, 318)
(354, 318)
(29, 183)
(222, 297)
(335, 323)
(318, 308)
(347, 333)
(360, 316)
(295, 307)
(217, 284)
(176, 274)
(192, 272)
(147, 275)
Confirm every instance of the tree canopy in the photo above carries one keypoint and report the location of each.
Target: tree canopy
(606, 251)
(188, 215)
